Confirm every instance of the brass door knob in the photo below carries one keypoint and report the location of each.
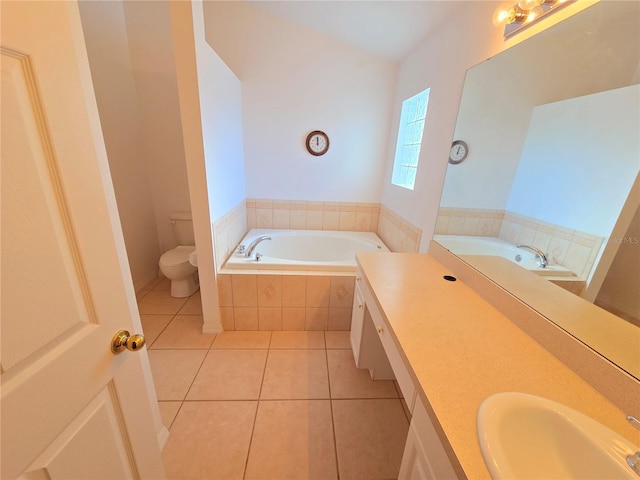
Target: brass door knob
(123, 340)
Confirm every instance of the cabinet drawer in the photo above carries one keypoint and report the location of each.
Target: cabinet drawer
(397, 364)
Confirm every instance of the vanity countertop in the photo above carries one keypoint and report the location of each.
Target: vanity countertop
(459, 350)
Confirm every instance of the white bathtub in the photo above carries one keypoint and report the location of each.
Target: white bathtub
(477, 245)
(318, 250)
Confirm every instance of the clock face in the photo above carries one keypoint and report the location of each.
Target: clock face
(317, 143)
(459, 151)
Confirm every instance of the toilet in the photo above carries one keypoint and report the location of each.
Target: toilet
(174, 264)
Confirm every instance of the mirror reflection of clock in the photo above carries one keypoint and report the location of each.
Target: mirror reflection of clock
(458, 152)
(317, 143)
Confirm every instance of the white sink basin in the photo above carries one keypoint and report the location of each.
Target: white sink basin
(524, 436)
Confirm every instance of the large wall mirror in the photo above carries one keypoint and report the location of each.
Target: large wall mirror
(553, 129)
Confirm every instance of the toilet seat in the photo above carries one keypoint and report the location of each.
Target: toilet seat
(176, 256)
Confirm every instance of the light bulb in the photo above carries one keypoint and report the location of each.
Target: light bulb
(529, 4)
(501, 15)
(533, 14)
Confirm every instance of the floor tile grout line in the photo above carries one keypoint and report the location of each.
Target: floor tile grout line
(255, 418)
(333, 421)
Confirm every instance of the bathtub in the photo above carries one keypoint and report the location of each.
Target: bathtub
(315, 250)
(462, 245)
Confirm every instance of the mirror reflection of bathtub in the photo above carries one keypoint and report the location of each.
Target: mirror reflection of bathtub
(553, 129)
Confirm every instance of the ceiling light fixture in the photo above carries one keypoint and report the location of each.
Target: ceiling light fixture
(524, 13)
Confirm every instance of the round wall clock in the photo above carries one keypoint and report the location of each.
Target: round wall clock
(458, 152)
(317, 143)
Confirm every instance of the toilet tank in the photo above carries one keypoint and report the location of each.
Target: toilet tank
(183, 228)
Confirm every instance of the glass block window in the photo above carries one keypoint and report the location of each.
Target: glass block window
(405, 165)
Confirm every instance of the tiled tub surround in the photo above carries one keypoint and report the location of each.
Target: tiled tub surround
(575, 250)
(228, 230)
(285, 302)
(280, 300)
(398, 234)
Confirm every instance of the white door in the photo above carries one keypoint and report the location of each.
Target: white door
(70, 407)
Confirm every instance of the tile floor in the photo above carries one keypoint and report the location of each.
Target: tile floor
(266, 405)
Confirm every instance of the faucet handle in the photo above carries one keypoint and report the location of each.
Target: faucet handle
(241, 248)
(634, 421)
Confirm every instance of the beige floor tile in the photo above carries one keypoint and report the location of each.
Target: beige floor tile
(168, 412)
(184, 331)
(295, 374)
(347, 381)
(298, 340)
(174, 370)
(153, 283)
(370, 438)
(162, 283)
(152, 326)
(209, 440)
(229, 375)
(337, 339)
(292, 439)
(160, 301)
(251, 339)
(193, 306)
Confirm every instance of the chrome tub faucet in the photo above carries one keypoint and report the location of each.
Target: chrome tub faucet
(252, 246)
(539, 253)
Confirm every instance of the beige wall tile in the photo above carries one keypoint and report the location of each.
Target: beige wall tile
(314, 220)
(298, 219)
(293, 318)
(225, 291)
(341, 289)
(363, 222)
(347, 221)
(318, 291)
(339, 319)
(270, 318)
(280, 218)
(251, 218)
(294, 290)
(269, 290)
(226, 314)
(245, 318)
(245, 290)
(316, 318)
(264, 218)
(331, 220)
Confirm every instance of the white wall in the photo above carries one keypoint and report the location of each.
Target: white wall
(586, 174)
(439, 62)
(112, 74)
(295, 80)
(221, 113)
(152, 56)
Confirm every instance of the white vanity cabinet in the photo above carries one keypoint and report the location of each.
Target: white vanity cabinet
(374, 349)
(424, 456)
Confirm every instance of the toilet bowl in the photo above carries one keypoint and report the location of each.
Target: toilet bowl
(174, 264)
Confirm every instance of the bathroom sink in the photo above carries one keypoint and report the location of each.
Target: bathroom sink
(525, 436)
